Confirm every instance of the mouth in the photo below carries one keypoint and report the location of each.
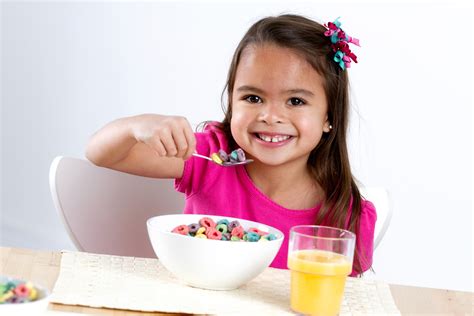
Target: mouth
(273, 138)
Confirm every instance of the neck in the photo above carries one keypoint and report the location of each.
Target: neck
(291, 186)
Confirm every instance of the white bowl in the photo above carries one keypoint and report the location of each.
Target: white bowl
(206, 263)
(35, 307)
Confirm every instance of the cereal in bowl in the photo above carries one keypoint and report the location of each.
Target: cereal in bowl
(223, 229)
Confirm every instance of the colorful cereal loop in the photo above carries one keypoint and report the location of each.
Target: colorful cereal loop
(223, 155)
(258, 231)
(233, 225)
(181, 229)
(213, 233)
(224, 221)
(193, 228)
(238, 231)
(201, 230)
(251, 236)
(271, 237)
(207, 222)
(222, 228)
(216, 158)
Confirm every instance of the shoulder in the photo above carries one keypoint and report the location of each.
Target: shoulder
(368, 213)
(367, 207)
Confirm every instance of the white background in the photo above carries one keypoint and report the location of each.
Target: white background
(67, 68)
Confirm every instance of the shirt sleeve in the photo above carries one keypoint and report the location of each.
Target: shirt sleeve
(365, 238)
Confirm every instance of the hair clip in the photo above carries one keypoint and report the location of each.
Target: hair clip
(340, 44)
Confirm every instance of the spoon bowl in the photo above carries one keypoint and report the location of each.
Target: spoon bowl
(225, 163)
(232, 164)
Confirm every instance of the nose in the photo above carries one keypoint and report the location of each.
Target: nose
(272, 114)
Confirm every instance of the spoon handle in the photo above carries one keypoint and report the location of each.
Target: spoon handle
(201, 156)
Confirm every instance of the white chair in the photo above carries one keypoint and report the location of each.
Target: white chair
(105, 211)
(382, 202)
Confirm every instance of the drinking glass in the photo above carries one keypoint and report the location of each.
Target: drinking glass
(319, 258)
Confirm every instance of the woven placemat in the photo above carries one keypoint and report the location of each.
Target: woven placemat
(145, 285)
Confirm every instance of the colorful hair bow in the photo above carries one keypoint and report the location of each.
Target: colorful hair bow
(340, 44)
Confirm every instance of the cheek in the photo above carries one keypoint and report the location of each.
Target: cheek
(239, 126)
(310, 123)
(311, 127)
(235, 126)
(238, 118)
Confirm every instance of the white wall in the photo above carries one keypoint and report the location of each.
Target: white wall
(68, 68)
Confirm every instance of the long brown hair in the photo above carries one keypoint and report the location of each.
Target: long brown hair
(329, 161)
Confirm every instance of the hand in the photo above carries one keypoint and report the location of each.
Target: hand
(168, 136)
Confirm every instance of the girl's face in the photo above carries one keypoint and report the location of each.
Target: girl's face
(279, 108)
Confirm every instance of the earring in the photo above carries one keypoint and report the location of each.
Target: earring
(330, 126)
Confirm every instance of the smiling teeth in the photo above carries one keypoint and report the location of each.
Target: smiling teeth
(274, 139)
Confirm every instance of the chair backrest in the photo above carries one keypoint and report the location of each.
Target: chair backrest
(105, 211)
(383, 205)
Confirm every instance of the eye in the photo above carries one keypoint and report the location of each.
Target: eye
(253, 99)
(297, 101)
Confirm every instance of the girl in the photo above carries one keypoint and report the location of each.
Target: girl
(287, 108)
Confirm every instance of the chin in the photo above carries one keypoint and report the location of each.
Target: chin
(269, 161)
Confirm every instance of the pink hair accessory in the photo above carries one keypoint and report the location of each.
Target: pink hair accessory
(340, 44)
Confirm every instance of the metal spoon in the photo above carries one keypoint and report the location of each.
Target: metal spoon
(225, 163)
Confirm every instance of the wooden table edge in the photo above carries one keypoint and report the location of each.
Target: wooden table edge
(44, 269)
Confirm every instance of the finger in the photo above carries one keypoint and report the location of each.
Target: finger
(191, 140)
(168, 142)
(159, 147)
(155, 144)
(181, 143)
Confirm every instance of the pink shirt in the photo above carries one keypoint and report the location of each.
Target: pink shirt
(214, 190)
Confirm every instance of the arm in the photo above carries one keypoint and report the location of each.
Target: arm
(148, 145)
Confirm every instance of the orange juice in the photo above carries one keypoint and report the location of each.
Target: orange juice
(317, 281)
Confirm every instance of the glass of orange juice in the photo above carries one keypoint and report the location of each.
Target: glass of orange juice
(320, 259)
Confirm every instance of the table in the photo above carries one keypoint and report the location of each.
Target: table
(43, 267)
